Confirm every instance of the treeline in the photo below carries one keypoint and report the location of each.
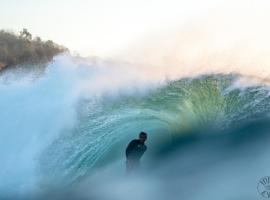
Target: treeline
(23, 49)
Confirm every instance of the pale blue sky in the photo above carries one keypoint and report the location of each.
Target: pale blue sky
(98, 27)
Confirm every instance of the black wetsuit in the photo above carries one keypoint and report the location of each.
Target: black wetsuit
(135, 150)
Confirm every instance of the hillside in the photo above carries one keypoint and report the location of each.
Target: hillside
(17, 49)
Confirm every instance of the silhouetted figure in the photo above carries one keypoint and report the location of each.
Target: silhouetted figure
(134, 152)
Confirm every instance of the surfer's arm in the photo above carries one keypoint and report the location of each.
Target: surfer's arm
(130, 148)
(145, 148)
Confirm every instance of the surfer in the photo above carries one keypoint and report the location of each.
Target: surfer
(134, 152)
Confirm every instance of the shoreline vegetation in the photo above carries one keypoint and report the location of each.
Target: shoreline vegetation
(23, 49)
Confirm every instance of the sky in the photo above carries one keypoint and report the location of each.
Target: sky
(99, 27)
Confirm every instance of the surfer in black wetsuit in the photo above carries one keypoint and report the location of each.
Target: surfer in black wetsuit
(134, 151)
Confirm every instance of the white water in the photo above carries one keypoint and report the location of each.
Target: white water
(35, 111)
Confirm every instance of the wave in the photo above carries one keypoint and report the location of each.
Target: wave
(77, 119)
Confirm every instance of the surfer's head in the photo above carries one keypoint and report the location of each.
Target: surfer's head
(142, 137)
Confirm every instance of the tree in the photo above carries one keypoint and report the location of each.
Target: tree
(22, 49)
(25, 34)
(38, 39)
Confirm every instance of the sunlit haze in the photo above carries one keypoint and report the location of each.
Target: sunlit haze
(99, 27)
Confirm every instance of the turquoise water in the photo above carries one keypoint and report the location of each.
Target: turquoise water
(62, 129)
